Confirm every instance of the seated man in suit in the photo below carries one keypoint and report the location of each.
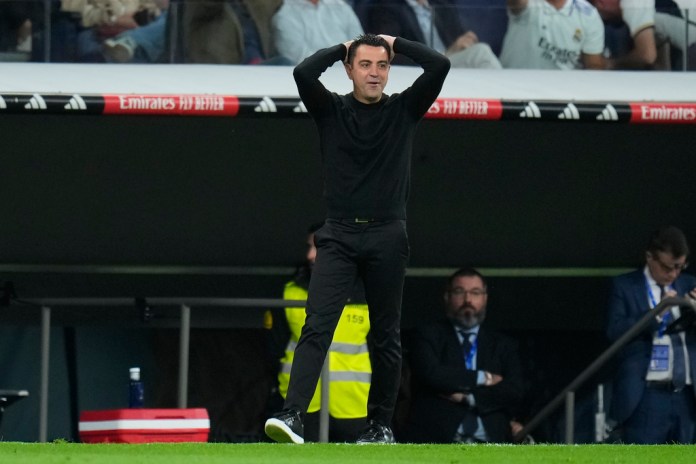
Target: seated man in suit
(468, 379)
(653, 396)
(436, 23)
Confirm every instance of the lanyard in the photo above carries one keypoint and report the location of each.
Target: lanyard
(653, 302)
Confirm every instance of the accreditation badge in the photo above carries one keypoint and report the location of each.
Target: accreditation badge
(659, 369)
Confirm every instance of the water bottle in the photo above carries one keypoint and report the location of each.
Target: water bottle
(136, 393)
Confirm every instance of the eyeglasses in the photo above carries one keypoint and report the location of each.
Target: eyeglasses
(678, 267)
(476, 292)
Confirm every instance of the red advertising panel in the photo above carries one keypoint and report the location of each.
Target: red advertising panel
(185, 105)
(660, 113)
(465, 108)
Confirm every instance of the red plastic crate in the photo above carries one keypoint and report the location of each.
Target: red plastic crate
(144, 426)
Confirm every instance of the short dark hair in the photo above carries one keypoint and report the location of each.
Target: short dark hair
(466, 272)
(371, 40)
(669, 239)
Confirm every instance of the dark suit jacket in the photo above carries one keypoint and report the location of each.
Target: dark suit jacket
(396, 17)
(438, 367)
(628, 303)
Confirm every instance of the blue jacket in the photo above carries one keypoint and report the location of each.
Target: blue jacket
(628, 303)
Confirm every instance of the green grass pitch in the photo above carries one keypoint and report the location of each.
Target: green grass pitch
(194, 453)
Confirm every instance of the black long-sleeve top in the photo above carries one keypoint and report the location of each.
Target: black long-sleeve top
(366, 148)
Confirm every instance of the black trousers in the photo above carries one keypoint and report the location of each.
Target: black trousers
(662, 416)
(377, 252)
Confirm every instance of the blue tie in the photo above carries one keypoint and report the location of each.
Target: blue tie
(679, 363)
(466, 343)
(470, 421)
(466, 346)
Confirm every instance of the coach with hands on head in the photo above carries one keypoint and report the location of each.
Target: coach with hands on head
(366, 141)
(653, 393)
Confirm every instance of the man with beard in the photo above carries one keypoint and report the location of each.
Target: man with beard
(468, 380)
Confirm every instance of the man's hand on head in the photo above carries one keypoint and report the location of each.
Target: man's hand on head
(390, 40)
(347, 44)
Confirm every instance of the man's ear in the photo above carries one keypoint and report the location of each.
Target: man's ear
(348, 69)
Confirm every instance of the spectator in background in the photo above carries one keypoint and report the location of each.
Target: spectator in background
(675, 24)
(434, 23)
(645, 34)
(110, 19)
(16, 27)
(101, 12)
(653, 394)
(225, 32)
(488, 17)
(468, 381)
(23, 32)
(553, 34)
(639, 49)
(301, 27)
(145, 44)
(349, 357)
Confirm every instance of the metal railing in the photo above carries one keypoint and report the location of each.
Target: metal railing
(185, 305)
(567, 395)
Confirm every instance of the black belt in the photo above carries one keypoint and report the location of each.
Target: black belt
(356, 220)
(666, 386)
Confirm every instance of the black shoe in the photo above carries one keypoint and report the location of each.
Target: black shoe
(376, 433)
(285, 427)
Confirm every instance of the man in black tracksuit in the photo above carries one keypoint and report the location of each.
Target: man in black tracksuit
(366, 142)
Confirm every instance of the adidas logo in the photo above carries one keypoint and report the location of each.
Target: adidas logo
(608, 114)
(531, 111)
(76, 103)
(267, 105)
(569, 112)
(36, 103)
(300, 108)
(3, 105)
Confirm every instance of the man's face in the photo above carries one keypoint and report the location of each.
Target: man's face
(465, 301)
(369, 72)
(664, 267)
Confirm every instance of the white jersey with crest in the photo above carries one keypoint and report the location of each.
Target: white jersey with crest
(542, 37)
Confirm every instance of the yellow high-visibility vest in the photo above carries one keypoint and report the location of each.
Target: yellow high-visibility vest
(349, 359)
